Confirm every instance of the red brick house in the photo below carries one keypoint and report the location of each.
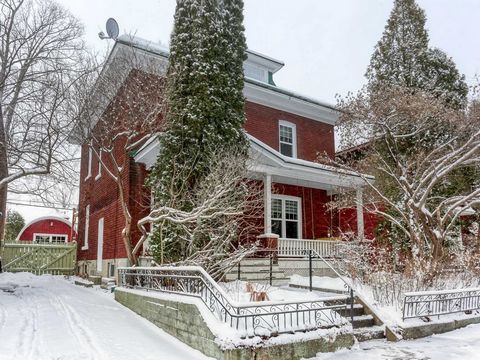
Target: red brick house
(48, 230)
(286, 131)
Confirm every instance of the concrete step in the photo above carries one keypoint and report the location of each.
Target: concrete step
(250, 267)
(363, 321)
(255, 261)
(358, 310)
(369, 333)
(315, 288)
(275, 281)
(255, 276)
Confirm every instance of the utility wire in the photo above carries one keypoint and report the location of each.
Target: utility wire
(42, 206)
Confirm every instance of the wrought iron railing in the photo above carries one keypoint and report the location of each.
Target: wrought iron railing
(251, 319)
(437, 303)
(298, 247)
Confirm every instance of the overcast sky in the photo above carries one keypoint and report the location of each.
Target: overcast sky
(326, 45)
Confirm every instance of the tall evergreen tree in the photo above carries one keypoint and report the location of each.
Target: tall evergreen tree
(205, 105)
(402, 57)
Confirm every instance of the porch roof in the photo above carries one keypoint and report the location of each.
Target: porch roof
(283, 169)
(292, 171)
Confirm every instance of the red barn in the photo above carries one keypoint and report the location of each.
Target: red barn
(48, 229)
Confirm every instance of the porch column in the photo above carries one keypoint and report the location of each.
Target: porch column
(360, 224)
(267, 198)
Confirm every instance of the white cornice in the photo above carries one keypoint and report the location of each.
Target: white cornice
(269, 96)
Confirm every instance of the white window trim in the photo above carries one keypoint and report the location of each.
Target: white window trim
(89, 166)
(87, 225)
(49, 236)
(294, 137)
(99, 175)
(100, 239)
(299, 201)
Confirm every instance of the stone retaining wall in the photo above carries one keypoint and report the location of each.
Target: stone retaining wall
(427, 329)
(184, 321)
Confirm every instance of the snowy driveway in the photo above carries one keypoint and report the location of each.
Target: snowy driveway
(461, 344)
(47, 317)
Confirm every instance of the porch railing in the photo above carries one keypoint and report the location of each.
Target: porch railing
(431, 303)
(251, 319)
(299, 247)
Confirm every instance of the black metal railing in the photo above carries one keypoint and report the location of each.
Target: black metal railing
(437, 303)
(251, 319)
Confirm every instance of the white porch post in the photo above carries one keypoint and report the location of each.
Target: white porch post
(267, 198)
(360, 224)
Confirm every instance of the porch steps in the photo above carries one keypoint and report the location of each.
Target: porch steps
(364, 327)
(258, 270)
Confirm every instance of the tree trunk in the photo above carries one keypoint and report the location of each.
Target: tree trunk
(3, 175)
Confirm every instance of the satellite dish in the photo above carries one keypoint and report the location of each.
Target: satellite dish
(112, 28)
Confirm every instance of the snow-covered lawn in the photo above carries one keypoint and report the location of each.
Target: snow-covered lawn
(462, 344)
(47, 317)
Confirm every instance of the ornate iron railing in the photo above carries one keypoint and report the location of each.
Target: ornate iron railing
(298, 247)
(251, 319)
(431, 303)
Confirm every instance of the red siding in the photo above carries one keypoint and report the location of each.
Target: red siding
(347, 221)
(316, 219)
(46, 226)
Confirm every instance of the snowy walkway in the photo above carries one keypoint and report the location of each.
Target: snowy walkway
(461, 344)
(46, 317)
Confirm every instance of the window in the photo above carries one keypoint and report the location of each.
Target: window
(287, 139)
(89, 168)
(255, 72)
(99, 166)
(286, 217)
(50, 238)
(87, 223)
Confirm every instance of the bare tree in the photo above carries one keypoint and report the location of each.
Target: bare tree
(42, 57)
(123, 111)
(216, 230)
(417, 148)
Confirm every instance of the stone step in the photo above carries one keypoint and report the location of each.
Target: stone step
(363, 321)
(369, 333)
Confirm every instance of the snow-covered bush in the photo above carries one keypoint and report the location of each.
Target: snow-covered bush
(385, 274)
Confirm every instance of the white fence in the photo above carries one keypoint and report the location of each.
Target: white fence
(300, 247)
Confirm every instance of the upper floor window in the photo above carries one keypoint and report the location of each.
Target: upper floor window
(89, 165)
(287, 139)
(255, 72)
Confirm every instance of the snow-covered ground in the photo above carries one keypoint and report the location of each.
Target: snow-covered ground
(461, 344)
(47, 317)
